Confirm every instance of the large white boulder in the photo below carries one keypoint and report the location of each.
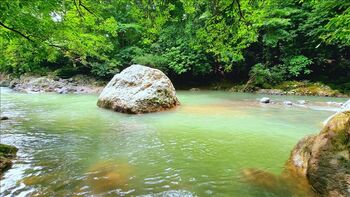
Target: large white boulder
(138, 89)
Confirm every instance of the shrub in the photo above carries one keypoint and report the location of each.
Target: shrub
(106, 69)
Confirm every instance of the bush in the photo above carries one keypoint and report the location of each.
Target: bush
(105, 70)
(297, 65)
(183, 59)
(151, 60)
(266, 77)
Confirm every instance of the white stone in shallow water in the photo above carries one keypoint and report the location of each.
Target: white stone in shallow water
(138, 89)
(265, 100)
(287, 103)
(302, 102)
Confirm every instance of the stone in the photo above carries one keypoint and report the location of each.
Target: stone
(265, 100)
(271, 91)
(287, 103)
(7, 153)
(4, 118)
(139, 89)
(337, 104)
(302, 102)
(195, 89)
(323, 159)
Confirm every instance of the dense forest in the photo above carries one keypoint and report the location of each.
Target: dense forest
(262, 42)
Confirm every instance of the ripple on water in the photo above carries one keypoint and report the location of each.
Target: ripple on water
(69, 147)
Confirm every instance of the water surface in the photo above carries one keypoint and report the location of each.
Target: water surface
(70, 147)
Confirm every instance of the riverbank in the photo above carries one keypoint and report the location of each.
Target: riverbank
(51, 83)
(87, 84)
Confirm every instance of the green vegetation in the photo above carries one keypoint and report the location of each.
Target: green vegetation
(263, 42)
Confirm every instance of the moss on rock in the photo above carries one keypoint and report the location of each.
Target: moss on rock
(324, 159)
(7, 153)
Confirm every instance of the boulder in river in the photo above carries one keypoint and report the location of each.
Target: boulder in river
(139, 89)
(319, 165)
(324, 159)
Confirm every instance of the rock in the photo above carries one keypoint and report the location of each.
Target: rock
(4, 80)
(344, 107)
(31, 84)
(287, 103)
(138, 89)
(323, 159)
(4, 118)
(334, 103)
(302, 102)
(271, 91)
(195, 89)
(265, 100)
(7, 153)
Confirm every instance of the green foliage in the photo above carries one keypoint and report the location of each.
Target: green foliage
(151, 60)
(105, 69)
(297, 65)
(276, 39)
(266, 77)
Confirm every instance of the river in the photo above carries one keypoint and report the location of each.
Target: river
(70, 147)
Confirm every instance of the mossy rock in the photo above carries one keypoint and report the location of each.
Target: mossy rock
(7, 153)
(307, 88)
(324, 159)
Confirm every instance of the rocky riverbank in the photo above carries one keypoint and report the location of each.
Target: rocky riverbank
(298, 88)
(32, 84)
(87, 84)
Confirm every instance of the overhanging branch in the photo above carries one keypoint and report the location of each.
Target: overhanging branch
(16, 31)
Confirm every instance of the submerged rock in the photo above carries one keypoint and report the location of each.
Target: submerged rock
(279, 185)
(265, 100)
(324, 158)
(138, 89)
(7, 153)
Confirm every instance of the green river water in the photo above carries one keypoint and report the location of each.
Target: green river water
(70, 147)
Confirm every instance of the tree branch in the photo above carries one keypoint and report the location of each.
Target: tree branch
(16, 31)
(87, 9)
(239, 9)
(78, 8)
